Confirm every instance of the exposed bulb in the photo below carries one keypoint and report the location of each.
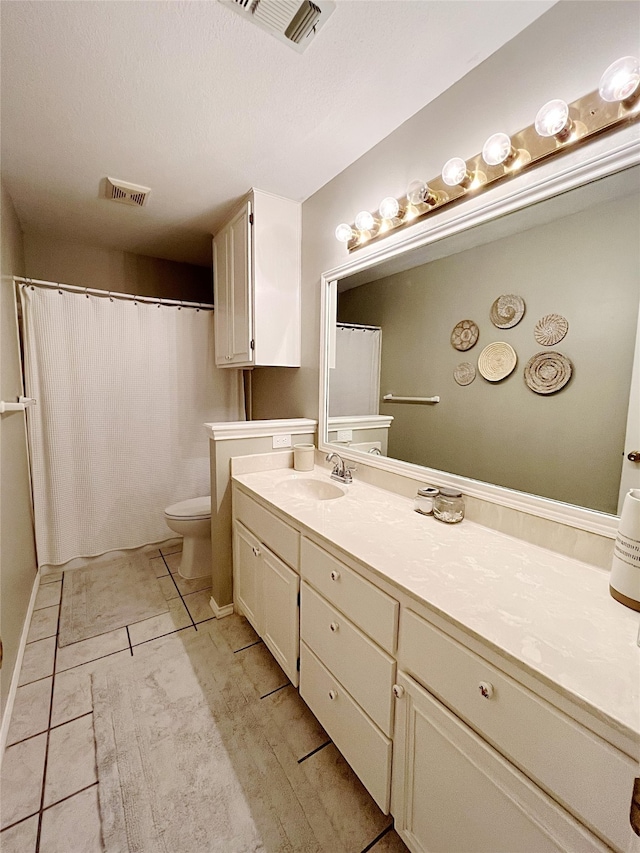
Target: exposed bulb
(621, 80)
(365, 221)
(344, 232)
(553, 119)
(498, 149)
(420, 193)
(455, 173)
(389, 208)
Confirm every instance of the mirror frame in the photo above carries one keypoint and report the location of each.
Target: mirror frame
(599, 158)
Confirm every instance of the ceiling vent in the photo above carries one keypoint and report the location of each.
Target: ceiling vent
(294, 22)
(125, 193)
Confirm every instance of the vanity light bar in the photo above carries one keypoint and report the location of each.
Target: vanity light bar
(557, 126)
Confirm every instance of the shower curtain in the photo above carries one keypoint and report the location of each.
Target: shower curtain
(123, 389)
(354, 383)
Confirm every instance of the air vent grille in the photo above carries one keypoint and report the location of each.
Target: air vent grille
(304, 22)
(294, 22)
(125, 193)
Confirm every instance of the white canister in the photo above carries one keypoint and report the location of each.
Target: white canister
(303, 456)
(624, 583)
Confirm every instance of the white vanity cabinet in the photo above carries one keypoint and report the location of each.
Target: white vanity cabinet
(346, 672)
(468, 737)
(266, 589)
(256, 284)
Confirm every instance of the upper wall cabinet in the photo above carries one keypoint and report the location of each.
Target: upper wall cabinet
(256, 284)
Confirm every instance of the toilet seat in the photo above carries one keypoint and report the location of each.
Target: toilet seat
(192, 508)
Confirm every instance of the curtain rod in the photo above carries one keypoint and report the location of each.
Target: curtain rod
(114, 294)
(358, 326)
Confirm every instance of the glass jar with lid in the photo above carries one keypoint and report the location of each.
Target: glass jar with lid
(448, 506)
(424, 499)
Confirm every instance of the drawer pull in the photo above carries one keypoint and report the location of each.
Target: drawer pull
(335, 576)
(334, 626)
(256, 551)
(398, 691)
(333, 694)
(486, 689)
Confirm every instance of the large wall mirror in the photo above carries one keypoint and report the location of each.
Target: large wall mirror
(572, 260)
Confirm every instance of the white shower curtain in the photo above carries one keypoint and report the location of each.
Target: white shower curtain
(123, 389)
(354, 383)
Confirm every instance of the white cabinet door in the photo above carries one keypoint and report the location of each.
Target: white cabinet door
(232, 286)
(452, 793)
(247, 575)
(281, 622)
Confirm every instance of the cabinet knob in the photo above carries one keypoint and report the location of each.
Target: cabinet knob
(486, 689)
(256, 551)
(398, 691)
(335, 576)
(333, 694)
(634, 456)
(334, 626)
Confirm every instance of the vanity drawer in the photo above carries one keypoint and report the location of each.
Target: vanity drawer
(365, 670)
(363, 745)
(369, 607)
(592, 779)
(277, 535)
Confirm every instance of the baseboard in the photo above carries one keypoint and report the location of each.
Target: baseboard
(8, 708)
(220, 612)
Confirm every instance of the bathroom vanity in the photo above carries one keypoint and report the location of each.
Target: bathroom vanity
(484, 690)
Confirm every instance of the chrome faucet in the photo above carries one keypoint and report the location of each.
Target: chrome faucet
(341, 471)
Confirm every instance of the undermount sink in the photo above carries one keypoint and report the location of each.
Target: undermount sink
(306, 487)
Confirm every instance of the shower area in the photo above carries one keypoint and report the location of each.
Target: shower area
(122, 387)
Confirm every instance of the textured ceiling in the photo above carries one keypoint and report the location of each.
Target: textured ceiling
(193, 101)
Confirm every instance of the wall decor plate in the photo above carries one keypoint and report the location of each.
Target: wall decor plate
(507, 311)
(464, 373)
(551, 329)
(464, 335)
(548, 372)
(497, 361)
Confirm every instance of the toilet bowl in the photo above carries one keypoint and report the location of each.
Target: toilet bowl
(192, 520)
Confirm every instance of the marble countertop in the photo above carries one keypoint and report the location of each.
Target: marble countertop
(552, 614)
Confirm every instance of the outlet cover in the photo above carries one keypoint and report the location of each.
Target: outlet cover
(344, 435)
(281, 441)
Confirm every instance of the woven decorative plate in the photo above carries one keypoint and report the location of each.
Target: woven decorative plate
(548, 372)
(464, 335)
(551, 329)
(497, 361)
(464, 373)
(507, 311)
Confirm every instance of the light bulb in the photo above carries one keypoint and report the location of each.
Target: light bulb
(455, 173)
(621, 80)
(553, 120)
(420, 193)
(365, 221)
(389, 208)
(498, 149)
(344, 232)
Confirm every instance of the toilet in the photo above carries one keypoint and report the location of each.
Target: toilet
(192, 520)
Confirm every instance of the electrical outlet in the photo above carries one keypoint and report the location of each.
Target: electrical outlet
(281, 441)
(345, 435)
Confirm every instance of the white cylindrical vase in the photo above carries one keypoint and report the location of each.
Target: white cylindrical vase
(303, 457)
(624, 583)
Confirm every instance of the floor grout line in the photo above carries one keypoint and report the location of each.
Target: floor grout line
(53, 684)
(15, 823)
(378, 837)
(160, 636)
(247, 647)
(68, 797)
(184, 603)
(313, 752)
(129, 638)
(57, 726)
(271, 692)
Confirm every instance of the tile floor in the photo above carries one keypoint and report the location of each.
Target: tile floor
(49, 780)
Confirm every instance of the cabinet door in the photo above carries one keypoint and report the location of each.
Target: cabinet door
(281, 621)
(247, 575)
(452, 793)
(232, 288)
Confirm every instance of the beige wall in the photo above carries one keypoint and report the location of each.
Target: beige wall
(562, 54)
(67, 262)
(17, 548)
(502, 432)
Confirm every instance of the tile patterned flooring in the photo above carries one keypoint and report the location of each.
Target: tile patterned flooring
(49, 780)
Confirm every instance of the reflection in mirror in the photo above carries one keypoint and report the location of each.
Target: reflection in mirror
(576, 256)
